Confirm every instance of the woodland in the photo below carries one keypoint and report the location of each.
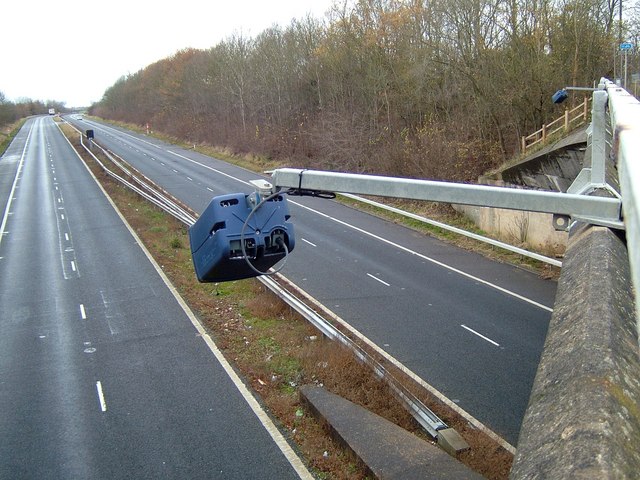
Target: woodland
(433, 89)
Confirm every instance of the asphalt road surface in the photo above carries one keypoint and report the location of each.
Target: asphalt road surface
(471, 327)
(102, 372)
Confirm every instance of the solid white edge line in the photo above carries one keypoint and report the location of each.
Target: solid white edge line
(424, 257)
(459, 231)
(293, 459)
(103, 403)
(264, 418)
(480, 335)
(7, 208)
(209, 168)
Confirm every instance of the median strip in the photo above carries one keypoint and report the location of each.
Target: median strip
(276, 351)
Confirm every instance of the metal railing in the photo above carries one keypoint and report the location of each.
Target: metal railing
(572, 118)
(624, 141)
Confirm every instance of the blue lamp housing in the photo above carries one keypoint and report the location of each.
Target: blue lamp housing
(215, 238)
(560, 96)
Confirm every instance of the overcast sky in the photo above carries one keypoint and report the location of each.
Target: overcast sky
(73, 50)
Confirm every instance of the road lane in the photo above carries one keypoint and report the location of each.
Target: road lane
(102, 374)
(433, 289)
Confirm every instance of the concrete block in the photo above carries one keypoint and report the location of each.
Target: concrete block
(451, 441)
(388, 451)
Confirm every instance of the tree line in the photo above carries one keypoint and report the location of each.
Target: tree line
(433, 89)
(12, 111)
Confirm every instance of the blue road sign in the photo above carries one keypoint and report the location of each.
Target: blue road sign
(626, 46)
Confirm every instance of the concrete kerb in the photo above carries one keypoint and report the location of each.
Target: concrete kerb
(583, 418)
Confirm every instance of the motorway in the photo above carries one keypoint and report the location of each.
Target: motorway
(103, 374)
(472, 328)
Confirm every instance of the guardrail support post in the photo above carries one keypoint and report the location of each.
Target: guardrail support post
(593, 176)
(598, 138)
(585, 110)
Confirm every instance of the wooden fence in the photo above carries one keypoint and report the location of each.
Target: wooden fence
(571, 119)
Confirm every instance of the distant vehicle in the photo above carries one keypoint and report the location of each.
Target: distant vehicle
(78, 117)
(52, 111)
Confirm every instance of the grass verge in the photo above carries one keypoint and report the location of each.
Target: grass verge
(8, 133)
(275, 350)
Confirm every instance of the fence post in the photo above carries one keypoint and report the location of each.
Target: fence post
(566, 120)
(524, 145)
(544, 133)
(585, 110)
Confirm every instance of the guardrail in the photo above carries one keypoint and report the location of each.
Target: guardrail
(571, 119)
(456, 230)
(624, 111)
(139, 184)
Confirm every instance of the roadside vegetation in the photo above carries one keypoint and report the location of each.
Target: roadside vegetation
(10, 112)
(441, 89)
(8, 133)
(14, 114)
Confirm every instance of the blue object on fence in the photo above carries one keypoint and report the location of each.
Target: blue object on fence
(560, 96)
(215, 238)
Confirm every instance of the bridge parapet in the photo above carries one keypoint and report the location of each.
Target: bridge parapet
(583, 419)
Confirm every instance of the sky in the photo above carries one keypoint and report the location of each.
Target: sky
(71, 50)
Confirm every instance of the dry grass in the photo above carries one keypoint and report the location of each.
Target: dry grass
(276, 351)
